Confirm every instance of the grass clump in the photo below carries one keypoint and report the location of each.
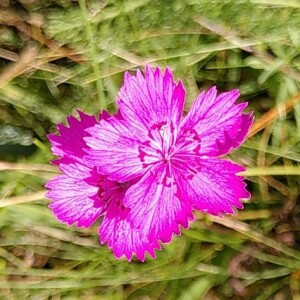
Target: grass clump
(58, 56)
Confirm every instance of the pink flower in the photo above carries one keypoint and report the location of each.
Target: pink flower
(82, 195)
(174, 160)
(147, 168)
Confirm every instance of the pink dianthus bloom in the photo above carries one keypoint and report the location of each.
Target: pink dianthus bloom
(147, 168)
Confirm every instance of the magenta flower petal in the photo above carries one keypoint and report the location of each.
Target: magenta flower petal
(219, 122)
(113, 148)
(157, 208)
(69, 145)
(215, 188)
(71, 196)
(150, 99)
(120, 236)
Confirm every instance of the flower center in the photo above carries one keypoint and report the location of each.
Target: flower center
(110, 192)
(159, 146)
(166, 148)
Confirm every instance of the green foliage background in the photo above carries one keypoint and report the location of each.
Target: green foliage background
(60, 55)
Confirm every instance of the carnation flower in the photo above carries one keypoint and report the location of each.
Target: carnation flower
(147, 168)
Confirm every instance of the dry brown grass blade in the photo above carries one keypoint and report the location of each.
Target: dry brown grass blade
(273, 114)
(20, 66)
(27, 167)
(25, 25)
(28, 60)
(22, 199)
(232, 37)
(227, 34)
